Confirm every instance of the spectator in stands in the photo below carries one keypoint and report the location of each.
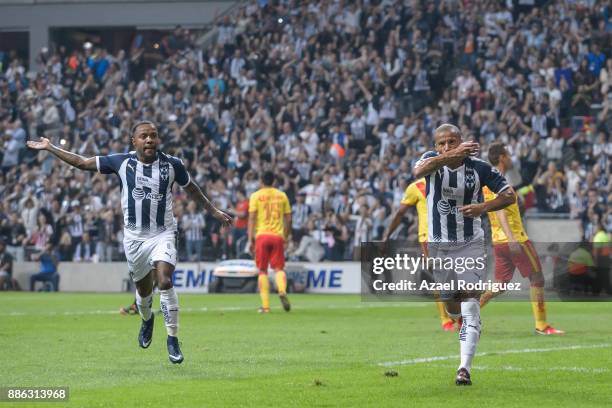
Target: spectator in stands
(42, 234)
(86, 250)
(299, 217)
(193, 224)
(7, 282)
(49, 259)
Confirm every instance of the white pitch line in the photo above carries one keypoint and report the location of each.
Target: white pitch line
(221, 309)
(493, 353)
(588, 370)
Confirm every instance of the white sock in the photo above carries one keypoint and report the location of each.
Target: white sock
(144, 305)
(170, 309)
(470, 331)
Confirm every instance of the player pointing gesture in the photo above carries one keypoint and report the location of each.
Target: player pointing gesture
(150, 229)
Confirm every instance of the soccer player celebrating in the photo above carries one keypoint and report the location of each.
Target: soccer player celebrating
(269, 226)
(147, 176)
(513, 249)
(454, 182)
(415, 196)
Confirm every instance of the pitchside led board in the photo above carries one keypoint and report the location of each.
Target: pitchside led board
(405, 271)
(323, 277)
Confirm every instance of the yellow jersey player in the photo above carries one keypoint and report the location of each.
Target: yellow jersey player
(269, 226)
(513, 249)
(415, 196)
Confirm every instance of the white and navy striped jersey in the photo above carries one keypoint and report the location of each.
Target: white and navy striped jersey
(146, 191)
(447, 190)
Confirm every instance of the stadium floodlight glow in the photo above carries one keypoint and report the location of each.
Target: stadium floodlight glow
(156, 45)
(280, 20)
(63, 142)
(87, 45)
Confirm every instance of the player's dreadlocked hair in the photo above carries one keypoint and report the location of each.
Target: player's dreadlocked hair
(142, 122)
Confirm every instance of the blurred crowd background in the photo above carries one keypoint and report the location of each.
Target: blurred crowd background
(338, 98)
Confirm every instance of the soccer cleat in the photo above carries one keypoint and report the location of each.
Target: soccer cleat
(285, 301)
(463, 377)
(548, 330)
(263, 310)
(146, 332)
(449, 326)
(174, 350)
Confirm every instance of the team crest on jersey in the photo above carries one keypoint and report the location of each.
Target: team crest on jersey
(470, 179)
(164, 172)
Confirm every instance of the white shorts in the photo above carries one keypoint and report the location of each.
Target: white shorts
(142, 255)
(468, 265)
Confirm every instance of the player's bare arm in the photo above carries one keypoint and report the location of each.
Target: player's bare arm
(503, 200)
(395, 221)
(514, 246)
(251, 231)
(72, 159)
(287, 227)
(196, 194)
(449, 158)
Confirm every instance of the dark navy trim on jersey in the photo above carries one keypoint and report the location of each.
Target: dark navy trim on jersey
(147, 170)
(180, 173)
(451, 220)
(489, 176)
(437, 226)
(468, 195)
(164, 171)
(111, 163)
(146, 208)
(130, 178)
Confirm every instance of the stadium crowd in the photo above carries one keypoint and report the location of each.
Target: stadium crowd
(339, 98)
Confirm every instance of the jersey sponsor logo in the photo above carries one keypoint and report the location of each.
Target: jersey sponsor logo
(131, 166)
(144, 181)
(139, 194)
(449, 192)
(444, 208)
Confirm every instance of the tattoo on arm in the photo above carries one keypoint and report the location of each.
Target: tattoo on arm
(74, 159)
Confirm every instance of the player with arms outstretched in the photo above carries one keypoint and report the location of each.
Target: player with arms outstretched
(415, 196)
(513, 249)
(269, 226)
(147, 176)
(454, 182)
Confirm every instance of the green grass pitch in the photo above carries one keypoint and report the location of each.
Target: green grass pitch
(329, 351)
